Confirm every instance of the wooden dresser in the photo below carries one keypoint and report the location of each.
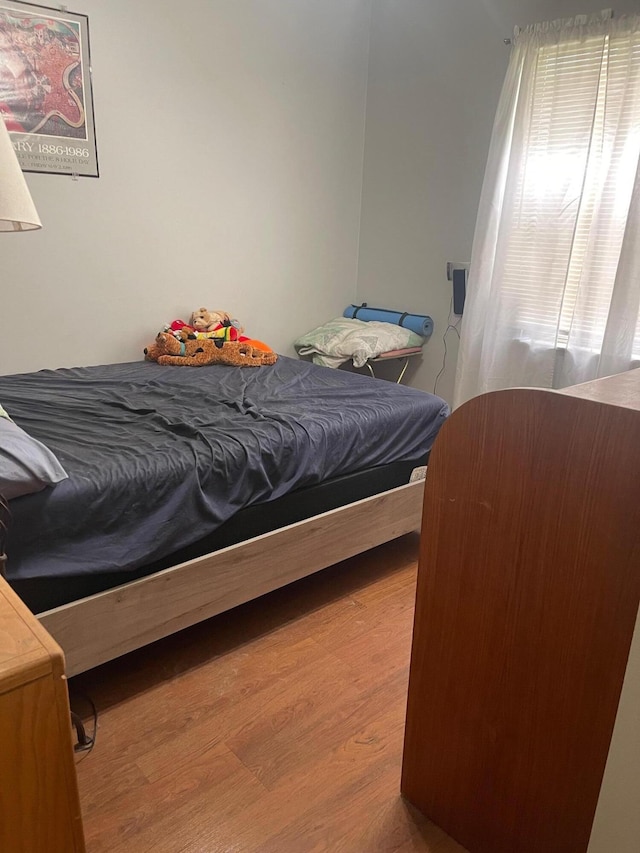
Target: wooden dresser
(39, 807)
(523, 718)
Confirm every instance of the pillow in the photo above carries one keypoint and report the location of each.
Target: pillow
(339, 340)
(26, 465)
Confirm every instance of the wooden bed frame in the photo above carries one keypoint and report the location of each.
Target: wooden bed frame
(103, 626)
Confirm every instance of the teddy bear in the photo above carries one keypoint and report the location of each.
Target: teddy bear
(204, 324)
(187, 351)
(216, 324)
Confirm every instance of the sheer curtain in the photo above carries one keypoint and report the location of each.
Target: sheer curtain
(553, 294)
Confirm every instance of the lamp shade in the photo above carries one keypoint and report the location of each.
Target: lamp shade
(17, 210)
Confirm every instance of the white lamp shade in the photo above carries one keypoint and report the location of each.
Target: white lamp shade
(17, 210)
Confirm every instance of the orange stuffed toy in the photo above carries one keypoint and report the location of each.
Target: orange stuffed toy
(186, 351)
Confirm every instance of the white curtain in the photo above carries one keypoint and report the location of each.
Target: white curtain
(553, 296)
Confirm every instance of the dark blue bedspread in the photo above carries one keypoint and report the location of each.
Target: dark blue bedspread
(158, 457)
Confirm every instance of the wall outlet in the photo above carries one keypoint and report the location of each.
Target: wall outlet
(456, 265)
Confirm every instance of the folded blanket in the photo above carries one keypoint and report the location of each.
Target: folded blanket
(344, 339)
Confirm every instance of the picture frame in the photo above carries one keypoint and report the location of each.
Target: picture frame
(46, 94)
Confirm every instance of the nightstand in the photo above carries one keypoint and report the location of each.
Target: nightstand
(38, 787)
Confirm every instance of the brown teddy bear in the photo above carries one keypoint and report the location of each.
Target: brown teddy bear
(186, 351)
(207, 322)
(218, 325)
(204, 320)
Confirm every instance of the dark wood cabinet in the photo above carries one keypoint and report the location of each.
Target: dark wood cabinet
(523, 718)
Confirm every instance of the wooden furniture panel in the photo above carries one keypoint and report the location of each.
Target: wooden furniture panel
(527, 599)
(104, 626)
(40, 810)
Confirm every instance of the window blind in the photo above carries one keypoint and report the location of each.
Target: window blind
(574, 173)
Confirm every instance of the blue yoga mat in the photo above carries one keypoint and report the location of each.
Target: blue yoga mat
(421, 324)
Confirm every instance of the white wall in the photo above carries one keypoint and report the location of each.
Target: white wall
(435, 73)
(230, 141)
(231, 137)
(585, 7)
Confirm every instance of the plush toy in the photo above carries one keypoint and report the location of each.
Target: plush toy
(176, 327)
(207, 322)
(213, 324)
(220, 325)
(187, 351)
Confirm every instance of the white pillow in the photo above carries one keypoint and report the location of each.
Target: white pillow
(344, 338)
(26, 465)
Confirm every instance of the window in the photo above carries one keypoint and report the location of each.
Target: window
(573, 190)
(554, 285)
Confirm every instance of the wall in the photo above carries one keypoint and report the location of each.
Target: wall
(435, 74)
(566, 8)
(230, 141)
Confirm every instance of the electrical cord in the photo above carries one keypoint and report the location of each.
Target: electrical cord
(85, 742)
(455, 328)
(5, 519)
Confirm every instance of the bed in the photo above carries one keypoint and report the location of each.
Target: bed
(193, 490)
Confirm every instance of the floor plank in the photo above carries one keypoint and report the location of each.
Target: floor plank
(274, 728)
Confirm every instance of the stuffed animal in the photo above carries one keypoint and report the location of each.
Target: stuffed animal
(213, 324)
(186, 351)
(207, 322)
(204, 320)
(177, 326)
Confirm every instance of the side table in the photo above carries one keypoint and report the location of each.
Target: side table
(40, 809)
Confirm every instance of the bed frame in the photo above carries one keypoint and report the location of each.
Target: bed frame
(104, 626)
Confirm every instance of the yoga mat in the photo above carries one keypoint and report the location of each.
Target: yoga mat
(421, 324)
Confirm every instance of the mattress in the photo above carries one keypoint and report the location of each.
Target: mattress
(46, 592)
(160, 457)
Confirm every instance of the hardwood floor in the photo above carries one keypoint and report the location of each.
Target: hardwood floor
(274, 728)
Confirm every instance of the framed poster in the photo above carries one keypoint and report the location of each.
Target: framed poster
(46, 99)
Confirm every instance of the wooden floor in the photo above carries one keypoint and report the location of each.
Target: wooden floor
(276, 727)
